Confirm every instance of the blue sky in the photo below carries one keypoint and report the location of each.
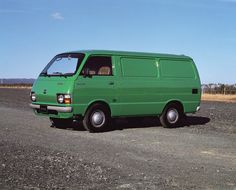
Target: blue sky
(32, 32)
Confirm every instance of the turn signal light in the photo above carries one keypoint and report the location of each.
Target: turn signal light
(67, 99)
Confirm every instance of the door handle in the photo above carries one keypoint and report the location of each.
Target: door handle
(111, 83)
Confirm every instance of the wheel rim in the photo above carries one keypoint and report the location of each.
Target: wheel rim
(172, 115)
(98, 118)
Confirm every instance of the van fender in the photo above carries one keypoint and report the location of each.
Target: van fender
(176, 101)
(101, 101)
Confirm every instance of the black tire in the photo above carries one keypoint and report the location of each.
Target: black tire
(97, 118)
(61, 123)
(171, 116)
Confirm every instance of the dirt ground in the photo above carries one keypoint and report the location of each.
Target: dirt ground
(137, 154)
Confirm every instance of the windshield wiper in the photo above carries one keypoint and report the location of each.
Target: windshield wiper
(68, 74)
(57, 73)
(60, 74)
(43, 74)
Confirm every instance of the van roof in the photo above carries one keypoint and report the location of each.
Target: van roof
(128, 53)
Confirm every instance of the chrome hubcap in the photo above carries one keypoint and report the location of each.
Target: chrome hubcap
(98, 118)
(172, 115)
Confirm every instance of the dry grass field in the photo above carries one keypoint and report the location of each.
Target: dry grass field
(219, 97)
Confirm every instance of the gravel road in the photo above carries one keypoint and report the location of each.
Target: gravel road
(138, 154)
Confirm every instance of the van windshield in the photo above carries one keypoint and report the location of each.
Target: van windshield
(63, 65)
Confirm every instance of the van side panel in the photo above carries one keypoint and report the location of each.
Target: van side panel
(146, 84)
(142, 86)
(138, 67)
(177, 69)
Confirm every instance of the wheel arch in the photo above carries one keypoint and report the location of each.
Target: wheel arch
(102, 102)
(176, 102)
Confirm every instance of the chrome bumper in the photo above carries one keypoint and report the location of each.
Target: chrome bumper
(54, 108)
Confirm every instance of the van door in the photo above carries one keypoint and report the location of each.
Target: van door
(95, 83)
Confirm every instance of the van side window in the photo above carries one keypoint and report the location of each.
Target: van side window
(98, 66)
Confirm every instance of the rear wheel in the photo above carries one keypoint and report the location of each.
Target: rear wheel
(97, 118)
(172, 115)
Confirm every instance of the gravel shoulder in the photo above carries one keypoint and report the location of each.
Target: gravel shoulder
(137, 155)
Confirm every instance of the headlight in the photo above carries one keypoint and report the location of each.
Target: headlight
(33, 96)
(64, 98)
(60, 99)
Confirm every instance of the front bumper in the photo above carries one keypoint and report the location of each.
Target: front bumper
(65, 109)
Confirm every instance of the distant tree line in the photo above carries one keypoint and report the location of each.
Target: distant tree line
(16, 85)
(219, 88)
(16, 81)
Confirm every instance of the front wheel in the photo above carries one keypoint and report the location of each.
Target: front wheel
(97, 118)
(171, 116)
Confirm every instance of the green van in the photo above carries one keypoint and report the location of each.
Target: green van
(95, 86)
